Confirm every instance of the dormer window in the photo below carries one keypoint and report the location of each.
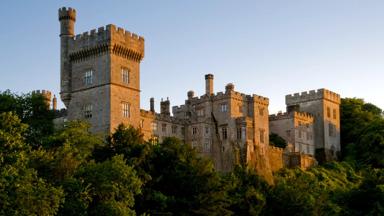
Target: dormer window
(125, 75)
(88, 77)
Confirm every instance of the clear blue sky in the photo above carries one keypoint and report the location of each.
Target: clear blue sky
(270, 47)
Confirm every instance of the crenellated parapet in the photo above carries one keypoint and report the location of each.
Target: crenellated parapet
(67, 13)
(304, 116)
(107, 39)
(260, 100)
(312, 95)
(47, 95)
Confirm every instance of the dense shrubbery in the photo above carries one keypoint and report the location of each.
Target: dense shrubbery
(72, 172)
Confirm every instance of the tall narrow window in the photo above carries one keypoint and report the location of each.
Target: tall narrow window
(125, 75)
(174, 129)
(224, 133)
(164, 128)
(207, 145)
(87, 109)
(224, 107)
(328, 112)
(261, 111)
(194, 130)
(262, 136)
(239, 132)
(88, 76)
(154, 126)
(334, 113)
(126, 109)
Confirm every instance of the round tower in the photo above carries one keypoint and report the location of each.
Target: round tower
(67, 18)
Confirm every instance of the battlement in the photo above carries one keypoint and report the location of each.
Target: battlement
(300, 115)
(67, 13)
(260, 100)
(320, 94)
(45, 93)
(303, 116)
(107, 38)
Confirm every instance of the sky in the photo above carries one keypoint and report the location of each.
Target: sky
(265, 47)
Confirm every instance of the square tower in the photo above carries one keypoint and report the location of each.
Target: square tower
(324, 105)
(100, 74)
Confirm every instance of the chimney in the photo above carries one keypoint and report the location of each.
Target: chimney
(209, 84)
(190, 94)
(54, 103)
(152, 104)
(165, 107)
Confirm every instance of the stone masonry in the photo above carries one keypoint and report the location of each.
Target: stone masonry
(100, 83)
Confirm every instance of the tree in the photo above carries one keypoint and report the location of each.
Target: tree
(361, 132)
(112, 185)
(32, 110)
(276, 140)
(246, 191)
(22, 192)
(182, 183)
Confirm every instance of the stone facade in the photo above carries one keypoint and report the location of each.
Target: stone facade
(100, 83)
(324, 105)
(297, 129)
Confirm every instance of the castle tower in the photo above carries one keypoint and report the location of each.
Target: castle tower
(100, 76)
(324, 105)
(46, 95)
(67, 18)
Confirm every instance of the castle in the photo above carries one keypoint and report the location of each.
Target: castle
(100, 83)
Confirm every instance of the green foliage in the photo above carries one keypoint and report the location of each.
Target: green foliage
(246, 191)
(319, 191)
(22, 192)
(182, 183)
(112, 185)
(362, 132)
(32, 110)
(276, 140)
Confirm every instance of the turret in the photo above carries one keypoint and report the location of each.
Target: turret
(54, 103)
(67, 18)
(165, 107)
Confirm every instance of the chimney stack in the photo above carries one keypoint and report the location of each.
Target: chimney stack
(54, 103)
(209, 84)
(152, 104)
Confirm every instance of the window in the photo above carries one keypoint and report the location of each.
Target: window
(224, 132)
(300, 135)
(88, 77)
(164, 128)
(174, 129)
(261, 111)
(207, 145)
(240, 109)
(328, 112)
(239, 133)
(142, 123)
(224, 107)
(154, 140)
(200, 112)
(125, 75)
(206, 130)
(194, 130)
(262, 136)
(334, 113)
(154, 126)
(331, 130)
(194, 144)
(87, 109)
(126, 109)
